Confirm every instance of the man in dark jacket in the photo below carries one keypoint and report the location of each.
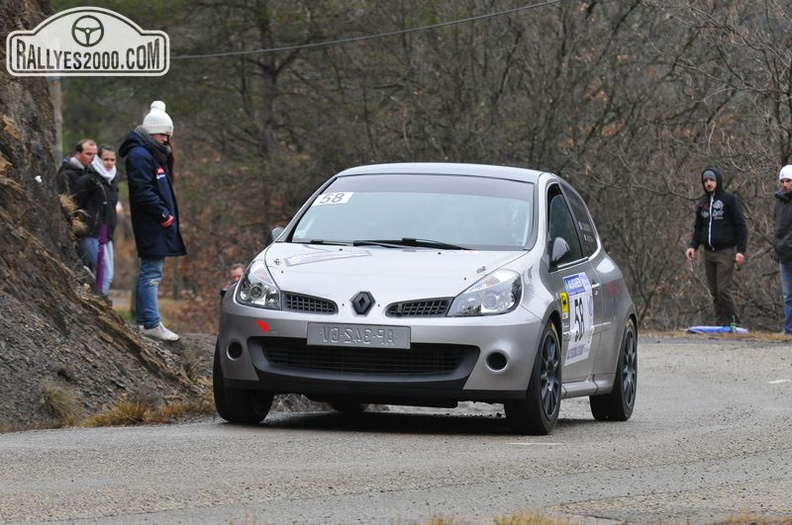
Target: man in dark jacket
(155, 215)
(75, 167)
(720, 230)
(77, 183)
(66, 180)
(782, 240)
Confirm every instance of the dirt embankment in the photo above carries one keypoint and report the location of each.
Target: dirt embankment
(56, 337)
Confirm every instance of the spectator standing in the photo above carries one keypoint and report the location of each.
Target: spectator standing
(155, 214)
(96, 198)
(235, 273)
(70, 171)
(81, 196)
(782, 240)
(720, 229)
(74, 167)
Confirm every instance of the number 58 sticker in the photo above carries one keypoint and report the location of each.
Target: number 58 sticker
(340, 197)
(580, 308)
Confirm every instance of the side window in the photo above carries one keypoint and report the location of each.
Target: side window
(562, 224)
(583, 222)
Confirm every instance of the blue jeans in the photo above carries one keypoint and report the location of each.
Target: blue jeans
(90, 255)
(146, 300)
(786, 289)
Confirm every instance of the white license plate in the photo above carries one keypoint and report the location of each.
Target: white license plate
(359, 335)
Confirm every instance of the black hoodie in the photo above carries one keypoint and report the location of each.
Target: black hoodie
(720, 222)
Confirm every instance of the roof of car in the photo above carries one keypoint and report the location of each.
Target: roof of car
(446, 168)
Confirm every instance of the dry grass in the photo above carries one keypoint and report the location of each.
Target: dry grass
(526, 518)
(749, 519)
(60, 403)
(125, 413)
(532, 518)
(519, 518)
(130, 412)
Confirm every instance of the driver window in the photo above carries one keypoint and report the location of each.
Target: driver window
(562, 225)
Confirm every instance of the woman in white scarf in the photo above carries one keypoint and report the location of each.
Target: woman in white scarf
(101, 202)
(104, 163)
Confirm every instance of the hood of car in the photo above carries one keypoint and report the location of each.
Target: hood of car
(394, 273)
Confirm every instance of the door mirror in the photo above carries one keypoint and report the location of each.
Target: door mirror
(275, 233)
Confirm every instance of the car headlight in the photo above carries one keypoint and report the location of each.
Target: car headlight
(497, 293)
(257, 288)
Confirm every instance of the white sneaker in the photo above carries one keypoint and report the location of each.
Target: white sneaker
(161, 333)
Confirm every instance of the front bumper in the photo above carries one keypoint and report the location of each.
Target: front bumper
(487, 358)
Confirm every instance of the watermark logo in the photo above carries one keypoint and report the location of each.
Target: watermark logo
(87, 41)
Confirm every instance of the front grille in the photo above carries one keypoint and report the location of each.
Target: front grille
(306, 303)
(421, 359)
(425, 308)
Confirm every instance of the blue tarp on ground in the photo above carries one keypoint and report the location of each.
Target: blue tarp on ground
(715, 330)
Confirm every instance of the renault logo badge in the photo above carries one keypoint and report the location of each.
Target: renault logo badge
(362, 302)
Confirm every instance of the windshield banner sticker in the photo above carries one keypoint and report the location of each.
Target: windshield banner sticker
(340, 197)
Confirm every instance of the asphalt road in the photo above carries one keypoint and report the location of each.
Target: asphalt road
(711, 438)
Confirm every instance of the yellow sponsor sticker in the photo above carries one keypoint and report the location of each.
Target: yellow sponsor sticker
(564, 302)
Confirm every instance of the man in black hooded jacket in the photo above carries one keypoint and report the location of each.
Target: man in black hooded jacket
(721, 231)
(782, 240)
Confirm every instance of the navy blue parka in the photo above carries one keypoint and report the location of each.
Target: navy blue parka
(151, 197)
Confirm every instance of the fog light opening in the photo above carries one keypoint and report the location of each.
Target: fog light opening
(234, 351)
(497, 361)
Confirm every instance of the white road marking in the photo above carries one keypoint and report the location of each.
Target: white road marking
(778, 381)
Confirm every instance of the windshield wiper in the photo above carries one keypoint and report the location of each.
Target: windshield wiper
(407, 241)
(323, 242)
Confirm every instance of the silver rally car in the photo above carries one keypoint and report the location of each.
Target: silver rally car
(427, 284)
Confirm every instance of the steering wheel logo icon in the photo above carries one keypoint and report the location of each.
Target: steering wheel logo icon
(87, 31)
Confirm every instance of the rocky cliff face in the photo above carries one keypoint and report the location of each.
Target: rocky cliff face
(56, 337)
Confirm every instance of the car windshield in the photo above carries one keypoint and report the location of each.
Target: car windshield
(440, 211)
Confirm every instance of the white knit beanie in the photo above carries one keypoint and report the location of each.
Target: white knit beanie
(157, 121)
(786, 172)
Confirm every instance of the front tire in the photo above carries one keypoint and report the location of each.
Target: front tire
(537, 414)
(244, 407)
(619, 404)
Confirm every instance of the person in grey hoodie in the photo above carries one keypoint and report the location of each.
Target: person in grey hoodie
(720, 230)
(782, 240)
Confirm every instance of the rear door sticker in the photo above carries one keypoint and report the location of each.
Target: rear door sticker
(580, 304)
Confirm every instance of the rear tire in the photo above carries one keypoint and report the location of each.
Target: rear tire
(244, 407)
(619, 403)
(537, 414)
